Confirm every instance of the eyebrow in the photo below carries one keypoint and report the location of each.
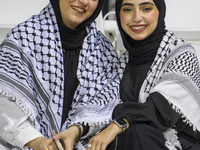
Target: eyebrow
(144, 3)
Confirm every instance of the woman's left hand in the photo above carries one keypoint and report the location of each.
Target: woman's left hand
(68, 137)
(105, 137)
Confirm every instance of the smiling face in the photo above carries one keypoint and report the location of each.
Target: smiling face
(139, 18)
(74, 12)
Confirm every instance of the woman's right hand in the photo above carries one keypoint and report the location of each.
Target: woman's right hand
(68, 137)
(42, 143)
(105, 137)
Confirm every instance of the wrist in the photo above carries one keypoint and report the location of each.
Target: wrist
(34, 143)
(117, 130)
(122, 123)
(26, 135)
(79, 130)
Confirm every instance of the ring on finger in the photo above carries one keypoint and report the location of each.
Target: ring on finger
(89, 145)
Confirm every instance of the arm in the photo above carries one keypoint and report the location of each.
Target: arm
(18, 112)
(156, 111)
(15, 125)
(16, 128)
(105, 137)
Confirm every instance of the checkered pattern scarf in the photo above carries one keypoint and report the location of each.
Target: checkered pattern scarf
(32, 74)
(175, 73)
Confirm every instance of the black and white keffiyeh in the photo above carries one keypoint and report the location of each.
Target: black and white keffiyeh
(176, 64)
(175, 73)
(32, 74)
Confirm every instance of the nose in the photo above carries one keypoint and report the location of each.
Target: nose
(84, 2)
(137, 17)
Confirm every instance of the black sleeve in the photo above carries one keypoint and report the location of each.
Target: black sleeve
(156, 111)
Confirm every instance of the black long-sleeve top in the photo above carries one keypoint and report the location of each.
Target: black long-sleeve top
(156, 111)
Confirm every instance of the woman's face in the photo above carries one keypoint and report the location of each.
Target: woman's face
(74, 12)
(139, 18)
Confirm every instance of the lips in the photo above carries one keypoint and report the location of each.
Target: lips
(79, 9)
(138, 28)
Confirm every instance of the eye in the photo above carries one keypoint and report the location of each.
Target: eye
(126, 9)
(147, 8)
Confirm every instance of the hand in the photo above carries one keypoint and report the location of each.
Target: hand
(42, 143)
(105, 137)
(68, 137)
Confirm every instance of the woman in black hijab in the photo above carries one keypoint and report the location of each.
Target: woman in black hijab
(59, 73)
(160, 80)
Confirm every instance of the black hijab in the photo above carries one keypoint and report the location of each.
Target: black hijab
(144, 51)
(73, 39)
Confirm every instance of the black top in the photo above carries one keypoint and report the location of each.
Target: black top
(72, 41)
(156, 111)
(71, 82)
(132, 81)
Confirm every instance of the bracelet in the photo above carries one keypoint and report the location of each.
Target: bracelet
(80, 131)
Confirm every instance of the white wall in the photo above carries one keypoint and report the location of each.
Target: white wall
(183, 14)
(182, 17)
(13, 12)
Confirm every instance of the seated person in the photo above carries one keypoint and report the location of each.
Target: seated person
(57, 72)
(160, 88)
